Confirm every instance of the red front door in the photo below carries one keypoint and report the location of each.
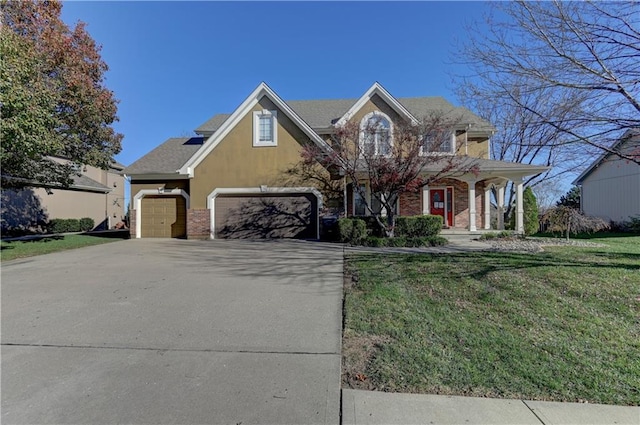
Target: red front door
(441, 204)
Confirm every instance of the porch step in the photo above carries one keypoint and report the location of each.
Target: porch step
(461, 235)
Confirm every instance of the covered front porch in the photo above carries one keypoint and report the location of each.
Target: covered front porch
(464, 199)
(472, 192)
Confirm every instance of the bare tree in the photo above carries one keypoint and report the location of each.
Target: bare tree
(391, 159)
(521, 136)
(572, 68)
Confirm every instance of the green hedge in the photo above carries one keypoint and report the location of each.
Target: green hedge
(352, 230)
(402, 241)
(418, 226)
(68, 225)
(86, 224)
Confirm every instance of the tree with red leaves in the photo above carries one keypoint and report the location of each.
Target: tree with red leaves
(53, 100)
(401, 159)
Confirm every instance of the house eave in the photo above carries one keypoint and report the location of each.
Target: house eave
(158, 176)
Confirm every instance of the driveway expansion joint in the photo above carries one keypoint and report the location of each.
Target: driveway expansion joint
(180, 350)
(533, 411)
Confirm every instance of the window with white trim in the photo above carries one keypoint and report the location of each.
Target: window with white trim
(440, 142)
(265, 128)
(376, 135)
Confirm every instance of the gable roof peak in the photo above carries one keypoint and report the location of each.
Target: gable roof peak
(377, 88)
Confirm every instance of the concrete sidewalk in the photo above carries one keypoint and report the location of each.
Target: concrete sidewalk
(370, 407)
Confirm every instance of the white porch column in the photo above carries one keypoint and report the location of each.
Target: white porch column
(487, 208)
(501, 207)
(425, 200)
(472, 205)
(519, 207)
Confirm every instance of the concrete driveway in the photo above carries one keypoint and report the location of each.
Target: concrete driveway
(174, 331)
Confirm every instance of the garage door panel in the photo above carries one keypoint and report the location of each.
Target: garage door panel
(260, 217)
(163, 217)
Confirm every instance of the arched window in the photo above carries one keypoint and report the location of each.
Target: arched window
(376, 134)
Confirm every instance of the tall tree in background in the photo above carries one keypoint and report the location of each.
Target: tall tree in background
(571, 68)
(52, 97)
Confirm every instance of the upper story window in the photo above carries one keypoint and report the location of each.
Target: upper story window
(376, 134)
(265, 128)
(441, 142)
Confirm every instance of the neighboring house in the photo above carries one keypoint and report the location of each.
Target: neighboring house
(96, 193)
(610, 186)
(225, 182)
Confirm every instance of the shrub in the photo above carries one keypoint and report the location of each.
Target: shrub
(375, 241)
(86, 224)
(530, 213)
(571, 221)
(530, 206)
(345, 228)
(359, 232)
(632, 225)
(63, 225)
(398, 241)
(418, 226)
(352, 230)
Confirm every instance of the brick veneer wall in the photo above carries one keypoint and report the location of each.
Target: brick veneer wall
(198, 224)
(411, 203)
(132, 224)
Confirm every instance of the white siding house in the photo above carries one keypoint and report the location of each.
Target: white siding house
(610, 187)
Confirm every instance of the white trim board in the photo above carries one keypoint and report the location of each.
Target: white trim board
(264, 190)
(376, 88)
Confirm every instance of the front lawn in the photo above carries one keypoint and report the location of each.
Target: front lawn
(560, 325)
(47, 244)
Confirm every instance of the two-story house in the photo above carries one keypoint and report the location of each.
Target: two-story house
(224, 182)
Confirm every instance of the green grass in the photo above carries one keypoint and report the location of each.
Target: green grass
(46, 245)
(561, 325)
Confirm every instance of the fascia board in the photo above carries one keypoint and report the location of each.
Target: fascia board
(376, 88)
(158, 176)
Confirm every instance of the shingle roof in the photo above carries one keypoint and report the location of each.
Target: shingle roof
(212, 124)
(166, 158)
(323, 113)
(86, 183)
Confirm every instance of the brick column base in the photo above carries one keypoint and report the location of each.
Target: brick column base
(132, 224)
(198, 224)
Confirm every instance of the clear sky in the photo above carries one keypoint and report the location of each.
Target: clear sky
(173, 65)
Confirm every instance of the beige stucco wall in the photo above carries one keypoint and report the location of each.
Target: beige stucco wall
(235, 162)
(376, 103)
(73, 204)
(478, 147)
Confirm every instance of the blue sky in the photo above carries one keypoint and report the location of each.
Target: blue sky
(173, 65)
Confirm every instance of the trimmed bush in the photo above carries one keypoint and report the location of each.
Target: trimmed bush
(345, 229)
(352, 230)
(426, 241)
(418, 226)
(86, 224)
(375, 241)
(359, 232)
(63, 225)
(398, 241)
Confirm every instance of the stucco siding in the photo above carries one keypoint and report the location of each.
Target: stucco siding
(612, 191)
(235, 162)
(73, 204)
(478, 147)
